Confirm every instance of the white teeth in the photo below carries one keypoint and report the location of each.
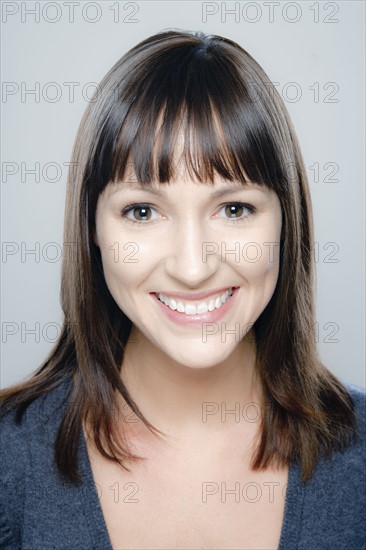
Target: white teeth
(193, 309)
(211, 305)
(202, 308)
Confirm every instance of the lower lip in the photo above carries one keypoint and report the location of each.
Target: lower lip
(198, 318)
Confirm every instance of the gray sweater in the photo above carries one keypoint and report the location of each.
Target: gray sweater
(38, 511)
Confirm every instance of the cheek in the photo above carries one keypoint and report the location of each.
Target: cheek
(121, 265)
(257, 256)
(119, 258)
(126, 261)
(121, 276)
(259, 279)
(259, 267)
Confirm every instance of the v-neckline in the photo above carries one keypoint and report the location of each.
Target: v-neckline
(98, 529)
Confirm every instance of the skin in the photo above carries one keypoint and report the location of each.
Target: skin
(172, 370)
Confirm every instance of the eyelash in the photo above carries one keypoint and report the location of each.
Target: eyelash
(251, 209)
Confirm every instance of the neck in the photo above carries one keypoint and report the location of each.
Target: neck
(187, 402)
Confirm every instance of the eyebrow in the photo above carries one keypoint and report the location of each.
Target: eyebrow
(216, 194)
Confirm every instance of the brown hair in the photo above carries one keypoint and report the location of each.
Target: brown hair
(235, 124)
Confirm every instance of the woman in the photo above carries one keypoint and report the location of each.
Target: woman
(185, 405)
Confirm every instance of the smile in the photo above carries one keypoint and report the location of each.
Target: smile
(198, 306)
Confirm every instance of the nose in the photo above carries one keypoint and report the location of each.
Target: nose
(191, 256)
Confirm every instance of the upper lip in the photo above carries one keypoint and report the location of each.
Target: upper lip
(197, 295)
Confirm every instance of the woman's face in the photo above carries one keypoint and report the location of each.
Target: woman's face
(193, 266)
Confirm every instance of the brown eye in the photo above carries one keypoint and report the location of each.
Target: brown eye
(142, 213)
(234, 210)
(237, 211)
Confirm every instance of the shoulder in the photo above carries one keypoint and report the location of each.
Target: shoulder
(18, 440)
(335, 497)
(37, 415)
(351, 461)
(42, 414)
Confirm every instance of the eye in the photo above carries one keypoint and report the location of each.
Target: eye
(237, 211)
(139, 213)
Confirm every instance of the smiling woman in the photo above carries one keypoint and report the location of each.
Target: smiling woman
(189, 303)
(180, 291)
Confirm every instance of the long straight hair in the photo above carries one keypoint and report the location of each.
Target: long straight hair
(235, 125)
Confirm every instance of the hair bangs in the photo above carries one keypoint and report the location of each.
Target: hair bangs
(198, 112)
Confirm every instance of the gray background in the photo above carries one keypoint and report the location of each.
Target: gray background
(313, 50)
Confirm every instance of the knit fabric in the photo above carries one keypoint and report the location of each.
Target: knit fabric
(39, 511)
